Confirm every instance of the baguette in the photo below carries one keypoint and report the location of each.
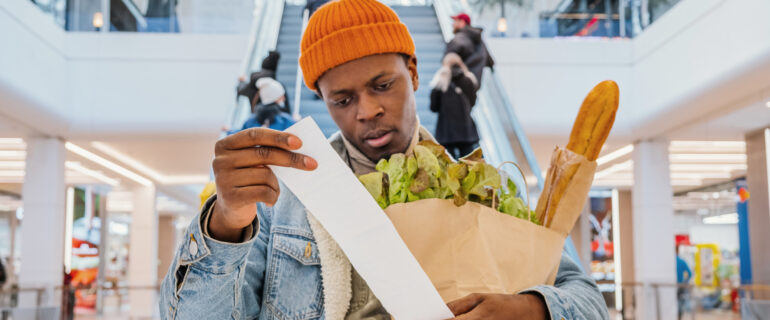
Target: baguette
(594, 120)
(590, 131)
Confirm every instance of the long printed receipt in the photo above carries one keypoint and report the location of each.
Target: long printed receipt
(333, 194)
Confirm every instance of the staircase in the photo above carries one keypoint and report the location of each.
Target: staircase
(422, 24)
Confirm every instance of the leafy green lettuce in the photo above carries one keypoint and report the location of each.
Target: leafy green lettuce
(430, 173)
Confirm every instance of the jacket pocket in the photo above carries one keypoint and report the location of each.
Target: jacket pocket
(293, 284)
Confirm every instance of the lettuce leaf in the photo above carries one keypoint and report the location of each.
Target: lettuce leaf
(374, 183)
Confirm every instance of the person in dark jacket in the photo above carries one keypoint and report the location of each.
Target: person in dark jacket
(468, 44)
(453, 95)
(269, 70)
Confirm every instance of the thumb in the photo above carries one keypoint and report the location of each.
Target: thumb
(465, 304)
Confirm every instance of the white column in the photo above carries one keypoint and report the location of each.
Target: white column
(42, 249)
(143, 253)
(758, 162)
(653, 234)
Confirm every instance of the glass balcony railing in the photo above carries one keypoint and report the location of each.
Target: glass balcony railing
(170, 16)
(567, 18)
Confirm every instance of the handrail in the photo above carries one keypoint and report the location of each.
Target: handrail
(264, 37)
(256, 25)
(298, 80)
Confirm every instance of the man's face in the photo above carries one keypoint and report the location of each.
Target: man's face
(372, 101)
(458, 24)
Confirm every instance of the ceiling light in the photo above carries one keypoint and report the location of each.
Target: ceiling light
(11, 141)
(708, 157)
(628, 164)
(708, 144)
(700, 176)
(107, 164)
(189, 179)
(12, 164)
(767, 104)
(13, 154)
(615, 154)
(12, 173)
(707, 147)
(613, 182)
(729, 218)
(91, 173)
(685, 182)
(141, 167)
(707, 167)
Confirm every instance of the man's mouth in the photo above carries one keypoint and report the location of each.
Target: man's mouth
(379, 138)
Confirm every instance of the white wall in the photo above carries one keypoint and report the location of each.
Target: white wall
(701, 57)
(547, 79)
(90, 84)
(725, 235)
(164, 83)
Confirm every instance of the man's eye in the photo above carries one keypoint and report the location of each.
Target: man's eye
(343, 102)
(383, 86)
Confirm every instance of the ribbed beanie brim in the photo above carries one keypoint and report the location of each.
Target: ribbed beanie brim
(346, 30)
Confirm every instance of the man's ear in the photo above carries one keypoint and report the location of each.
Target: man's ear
(412, 65)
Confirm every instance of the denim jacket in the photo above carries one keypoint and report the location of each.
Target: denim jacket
(290, 268)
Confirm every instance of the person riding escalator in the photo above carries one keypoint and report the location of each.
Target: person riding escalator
(269, 69)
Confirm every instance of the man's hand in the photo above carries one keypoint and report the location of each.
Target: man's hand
(243, 178)
(499, 306)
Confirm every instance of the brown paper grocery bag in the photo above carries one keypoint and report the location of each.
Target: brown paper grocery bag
(476, 249)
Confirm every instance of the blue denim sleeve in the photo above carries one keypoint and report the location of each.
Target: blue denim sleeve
(574, 294)
(211, 279)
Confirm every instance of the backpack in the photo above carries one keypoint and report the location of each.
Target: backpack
(281, 121)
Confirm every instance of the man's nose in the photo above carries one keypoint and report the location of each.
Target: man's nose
(369, 108)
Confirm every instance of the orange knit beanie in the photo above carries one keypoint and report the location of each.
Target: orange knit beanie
(345, 30)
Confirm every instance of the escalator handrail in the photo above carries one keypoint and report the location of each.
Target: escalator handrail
(298, 80)
(529, 153)
(263, 38)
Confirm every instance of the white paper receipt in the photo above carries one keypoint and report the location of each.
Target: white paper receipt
(333, 194)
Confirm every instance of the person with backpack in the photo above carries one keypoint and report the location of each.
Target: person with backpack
(453, 94)
(270, 112)
(269, 69)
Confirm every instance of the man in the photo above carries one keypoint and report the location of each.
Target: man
(468, 44)
(255, 253)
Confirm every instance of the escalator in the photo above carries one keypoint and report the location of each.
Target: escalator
(502, 137)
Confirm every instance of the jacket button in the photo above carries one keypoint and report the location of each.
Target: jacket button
(236, 315)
